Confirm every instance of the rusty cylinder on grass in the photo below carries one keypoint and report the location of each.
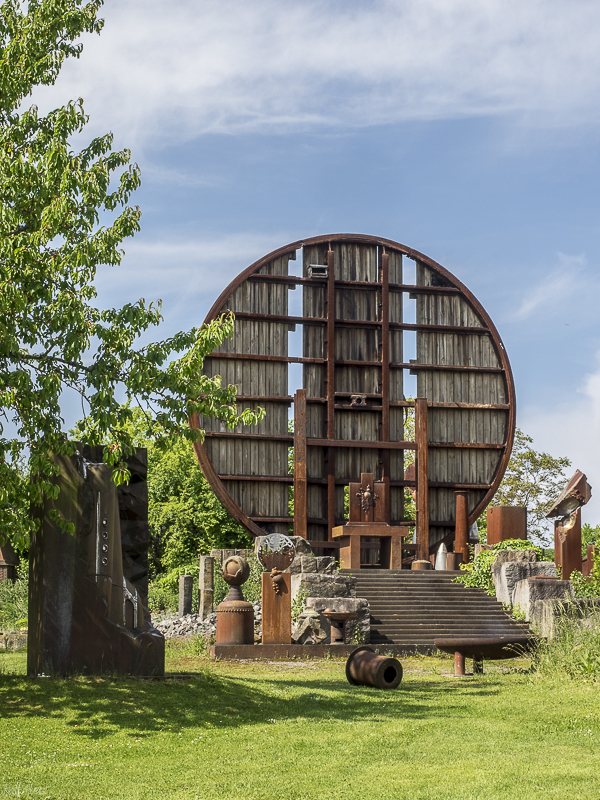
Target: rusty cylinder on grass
(365, 668)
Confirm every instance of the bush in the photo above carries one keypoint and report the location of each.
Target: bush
(13, 605)
(584, 587)
(574, 652)
(478, 573)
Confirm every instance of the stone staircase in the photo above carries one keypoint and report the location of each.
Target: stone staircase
(411, 609)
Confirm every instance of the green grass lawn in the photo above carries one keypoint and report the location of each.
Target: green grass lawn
(298, 731)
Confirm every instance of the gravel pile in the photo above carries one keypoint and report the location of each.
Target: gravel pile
(170, 625)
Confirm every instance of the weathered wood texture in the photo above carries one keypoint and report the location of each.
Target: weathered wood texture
(467, 405)
(260, 378)
(458, 465)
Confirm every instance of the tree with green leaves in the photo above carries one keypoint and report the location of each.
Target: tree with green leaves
(63, 215)
(533, 480)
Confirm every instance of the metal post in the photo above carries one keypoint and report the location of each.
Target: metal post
(330, 391)
(385, 377)
(459, 665)
(300, 463)
(461, 542)
(422, 478)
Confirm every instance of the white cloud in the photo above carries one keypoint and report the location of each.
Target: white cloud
(572, 429)
(559, 285)
(188, 276)
(164, 71)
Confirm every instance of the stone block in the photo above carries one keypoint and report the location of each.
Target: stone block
(308, 564)
(509, 573)
(186, 585)
(206, 586)
(547, 614)
(315, 585)
(530, 590)
(355, 631)
(326, 565)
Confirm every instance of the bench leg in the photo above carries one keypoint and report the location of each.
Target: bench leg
(459, 665)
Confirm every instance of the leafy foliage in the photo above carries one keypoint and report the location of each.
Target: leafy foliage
(52, 242)
(13, 605)
(533, 480)
(574, 651)
(478, 573)
(584, 587)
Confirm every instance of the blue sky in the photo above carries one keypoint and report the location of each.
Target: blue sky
(466, 129)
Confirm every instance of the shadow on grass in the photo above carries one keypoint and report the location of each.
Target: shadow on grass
(93, 707)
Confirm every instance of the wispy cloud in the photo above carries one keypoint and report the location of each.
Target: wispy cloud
(572, 429)
(169, 71)
(187, 275)
(555, 288)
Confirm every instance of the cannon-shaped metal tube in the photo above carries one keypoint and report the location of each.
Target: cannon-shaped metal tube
(365, 668)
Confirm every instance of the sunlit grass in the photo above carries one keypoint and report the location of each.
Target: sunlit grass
(298, 731)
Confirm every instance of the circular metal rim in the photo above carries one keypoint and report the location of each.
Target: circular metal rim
(356, 650)
(216, 309)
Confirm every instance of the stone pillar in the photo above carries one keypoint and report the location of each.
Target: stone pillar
(206, 586)
(186, 584)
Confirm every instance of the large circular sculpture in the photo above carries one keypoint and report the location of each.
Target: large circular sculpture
(357, 330)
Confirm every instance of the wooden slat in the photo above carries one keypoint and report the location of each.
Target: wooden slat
(300, 456)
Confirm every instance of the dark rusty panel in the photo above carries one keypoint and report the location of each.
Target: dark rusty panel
(422, 528)
(300, 464)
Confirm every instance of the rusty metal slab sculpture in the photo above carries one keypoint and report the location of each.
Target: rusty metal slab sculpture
(350, 411)
(88, 591)
(566, 512)
(276, 553)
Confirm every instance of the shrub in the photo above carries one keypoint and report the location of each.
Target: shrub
(478, 573)
(583, 587)
(13, 605)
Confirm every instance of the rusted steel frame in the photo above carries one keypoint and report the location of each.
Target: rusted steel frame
(268, 478)
(353, 363)
(267, 437)
(385, 376)
(359, 443)
(217, 487)
(258, 518)
(433, 523)
(395, 287)
(444, 485)
(461, 536)
(468, 445)
(261, 357)
(444, 367)
(422, 501)
(330, 390)
(252, 398)
(362, 323)
(454, 286)
(324, 543)
(483, 406)
(300, 463)
(440, 404)
(340, 407)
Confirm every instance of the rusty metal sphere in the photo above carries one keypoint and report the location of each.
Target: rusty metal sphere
(235, 570)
